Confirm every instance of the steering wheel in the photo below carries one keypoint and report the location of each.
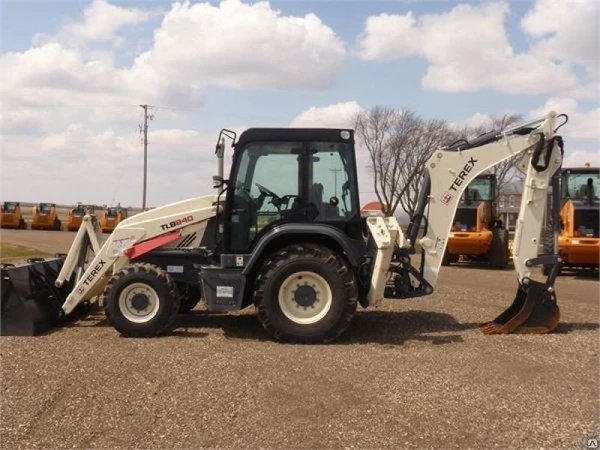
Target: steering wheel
(265, 191)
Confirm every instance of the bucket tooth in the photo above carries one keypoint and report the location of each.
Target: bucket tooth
(533, 311)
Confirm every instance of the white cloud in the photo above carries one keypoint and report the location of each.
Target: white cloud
(338, 115)
(197, 45)
(78, 164)
(567, 30)
(468, 49)
(236, 45)
(582, 125)
(100, 22)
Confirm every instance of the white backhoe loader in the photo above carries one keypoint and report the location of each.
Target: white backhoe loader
(298, 249)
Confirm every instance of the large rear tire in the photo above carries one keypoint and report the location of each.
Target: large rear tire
(305, 293)
(141, 300)
(498, 252)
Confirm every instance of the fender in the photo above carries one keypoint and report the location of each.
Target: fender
(352, 248)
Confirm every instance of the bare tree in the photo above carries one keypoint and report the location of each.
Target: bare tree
(399, 143)
(506, 172)
(375, 128)
(430, 136)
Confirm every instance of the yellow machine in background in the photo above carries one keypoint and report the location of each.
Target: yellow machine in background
(75, 216)
(44, 217)
(111, 218)
(11, 216)
(578, 240)
(476, 232)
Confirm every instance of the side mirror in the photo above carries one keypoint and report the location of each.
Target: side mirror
(218, 182)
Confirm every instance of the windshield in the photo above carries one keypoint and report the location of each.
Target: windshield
(577, 185)
(45, 207)
(9, 207)
(480, 189)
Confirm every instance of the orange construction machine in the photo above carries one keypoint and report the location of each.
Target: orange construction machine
(45, 217)
(579, 207)
(75, 216)
(11, 216)
(112, 217)
(476, 232)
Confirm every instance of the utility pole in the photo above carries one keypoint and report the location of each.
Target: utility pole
(335, 172)
(145, 131)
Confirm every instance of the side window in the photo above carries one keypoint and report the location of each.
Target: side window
(265, 187)
(331, 182)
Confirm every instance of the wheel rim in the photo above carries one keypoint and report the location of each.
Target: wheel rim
(305, 297)
(139, 303)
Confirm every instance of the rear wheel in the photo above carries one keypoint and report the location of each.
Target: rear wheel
(305, 293)
(498, 253)
(141, 300)
(22, 224)
(57, 225)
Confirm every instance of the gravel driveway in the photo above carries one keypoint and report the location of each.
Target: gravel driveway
(412, 374)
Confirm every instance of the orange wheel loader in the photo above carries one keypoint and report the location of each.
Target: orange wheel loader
(45, 217)
(577, 232)
(75, 216)
(111, 218)
(12, 216)
(477, 234)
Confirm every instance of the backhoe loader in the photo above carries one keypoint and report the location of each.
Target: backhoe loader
(477, 234)
(112, 217)
(11, 216)
(282, 234)
(579, 206)
(44, 217)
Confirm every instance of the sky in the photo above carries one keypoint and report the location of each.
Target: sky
(73, 74)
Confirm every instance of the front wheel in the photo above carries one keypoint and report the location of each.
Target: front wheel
(141, 300)
(498, 253)
(306, 293)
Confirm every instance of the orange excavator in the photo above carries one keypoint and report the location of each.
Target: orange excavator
(44, 217)
(75, 216)
(112, 217)
(12, 216)
(477, 234)
(577, 232)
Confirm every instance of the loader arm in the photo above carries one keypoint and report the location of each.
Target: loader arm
(447, 173)
(131, 238)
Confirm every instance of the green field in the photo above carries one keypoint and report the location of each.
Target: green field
(11, 252)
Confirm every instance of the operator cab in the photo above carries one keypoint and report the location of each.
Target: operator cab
(9, 207)
(481, 189)
(281, 176)
(581, 186)
(46, 207)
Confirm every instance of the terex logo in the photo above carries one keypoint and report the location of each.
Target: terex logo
(94, 272)
(175, 223)
(463, 174)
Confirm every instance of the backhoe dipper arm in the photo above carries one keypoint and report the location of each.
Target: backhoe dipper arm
(448, 172)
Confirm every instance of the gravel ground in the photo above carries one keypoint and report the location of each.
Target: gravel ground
(414, 373)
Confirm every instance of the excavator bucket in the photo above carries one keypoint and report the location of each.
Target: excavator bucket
(533, 311)
(31, 303)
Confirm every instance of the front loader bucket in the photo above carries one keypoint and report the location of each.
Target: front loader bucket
(30, 303)
(533, 311)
